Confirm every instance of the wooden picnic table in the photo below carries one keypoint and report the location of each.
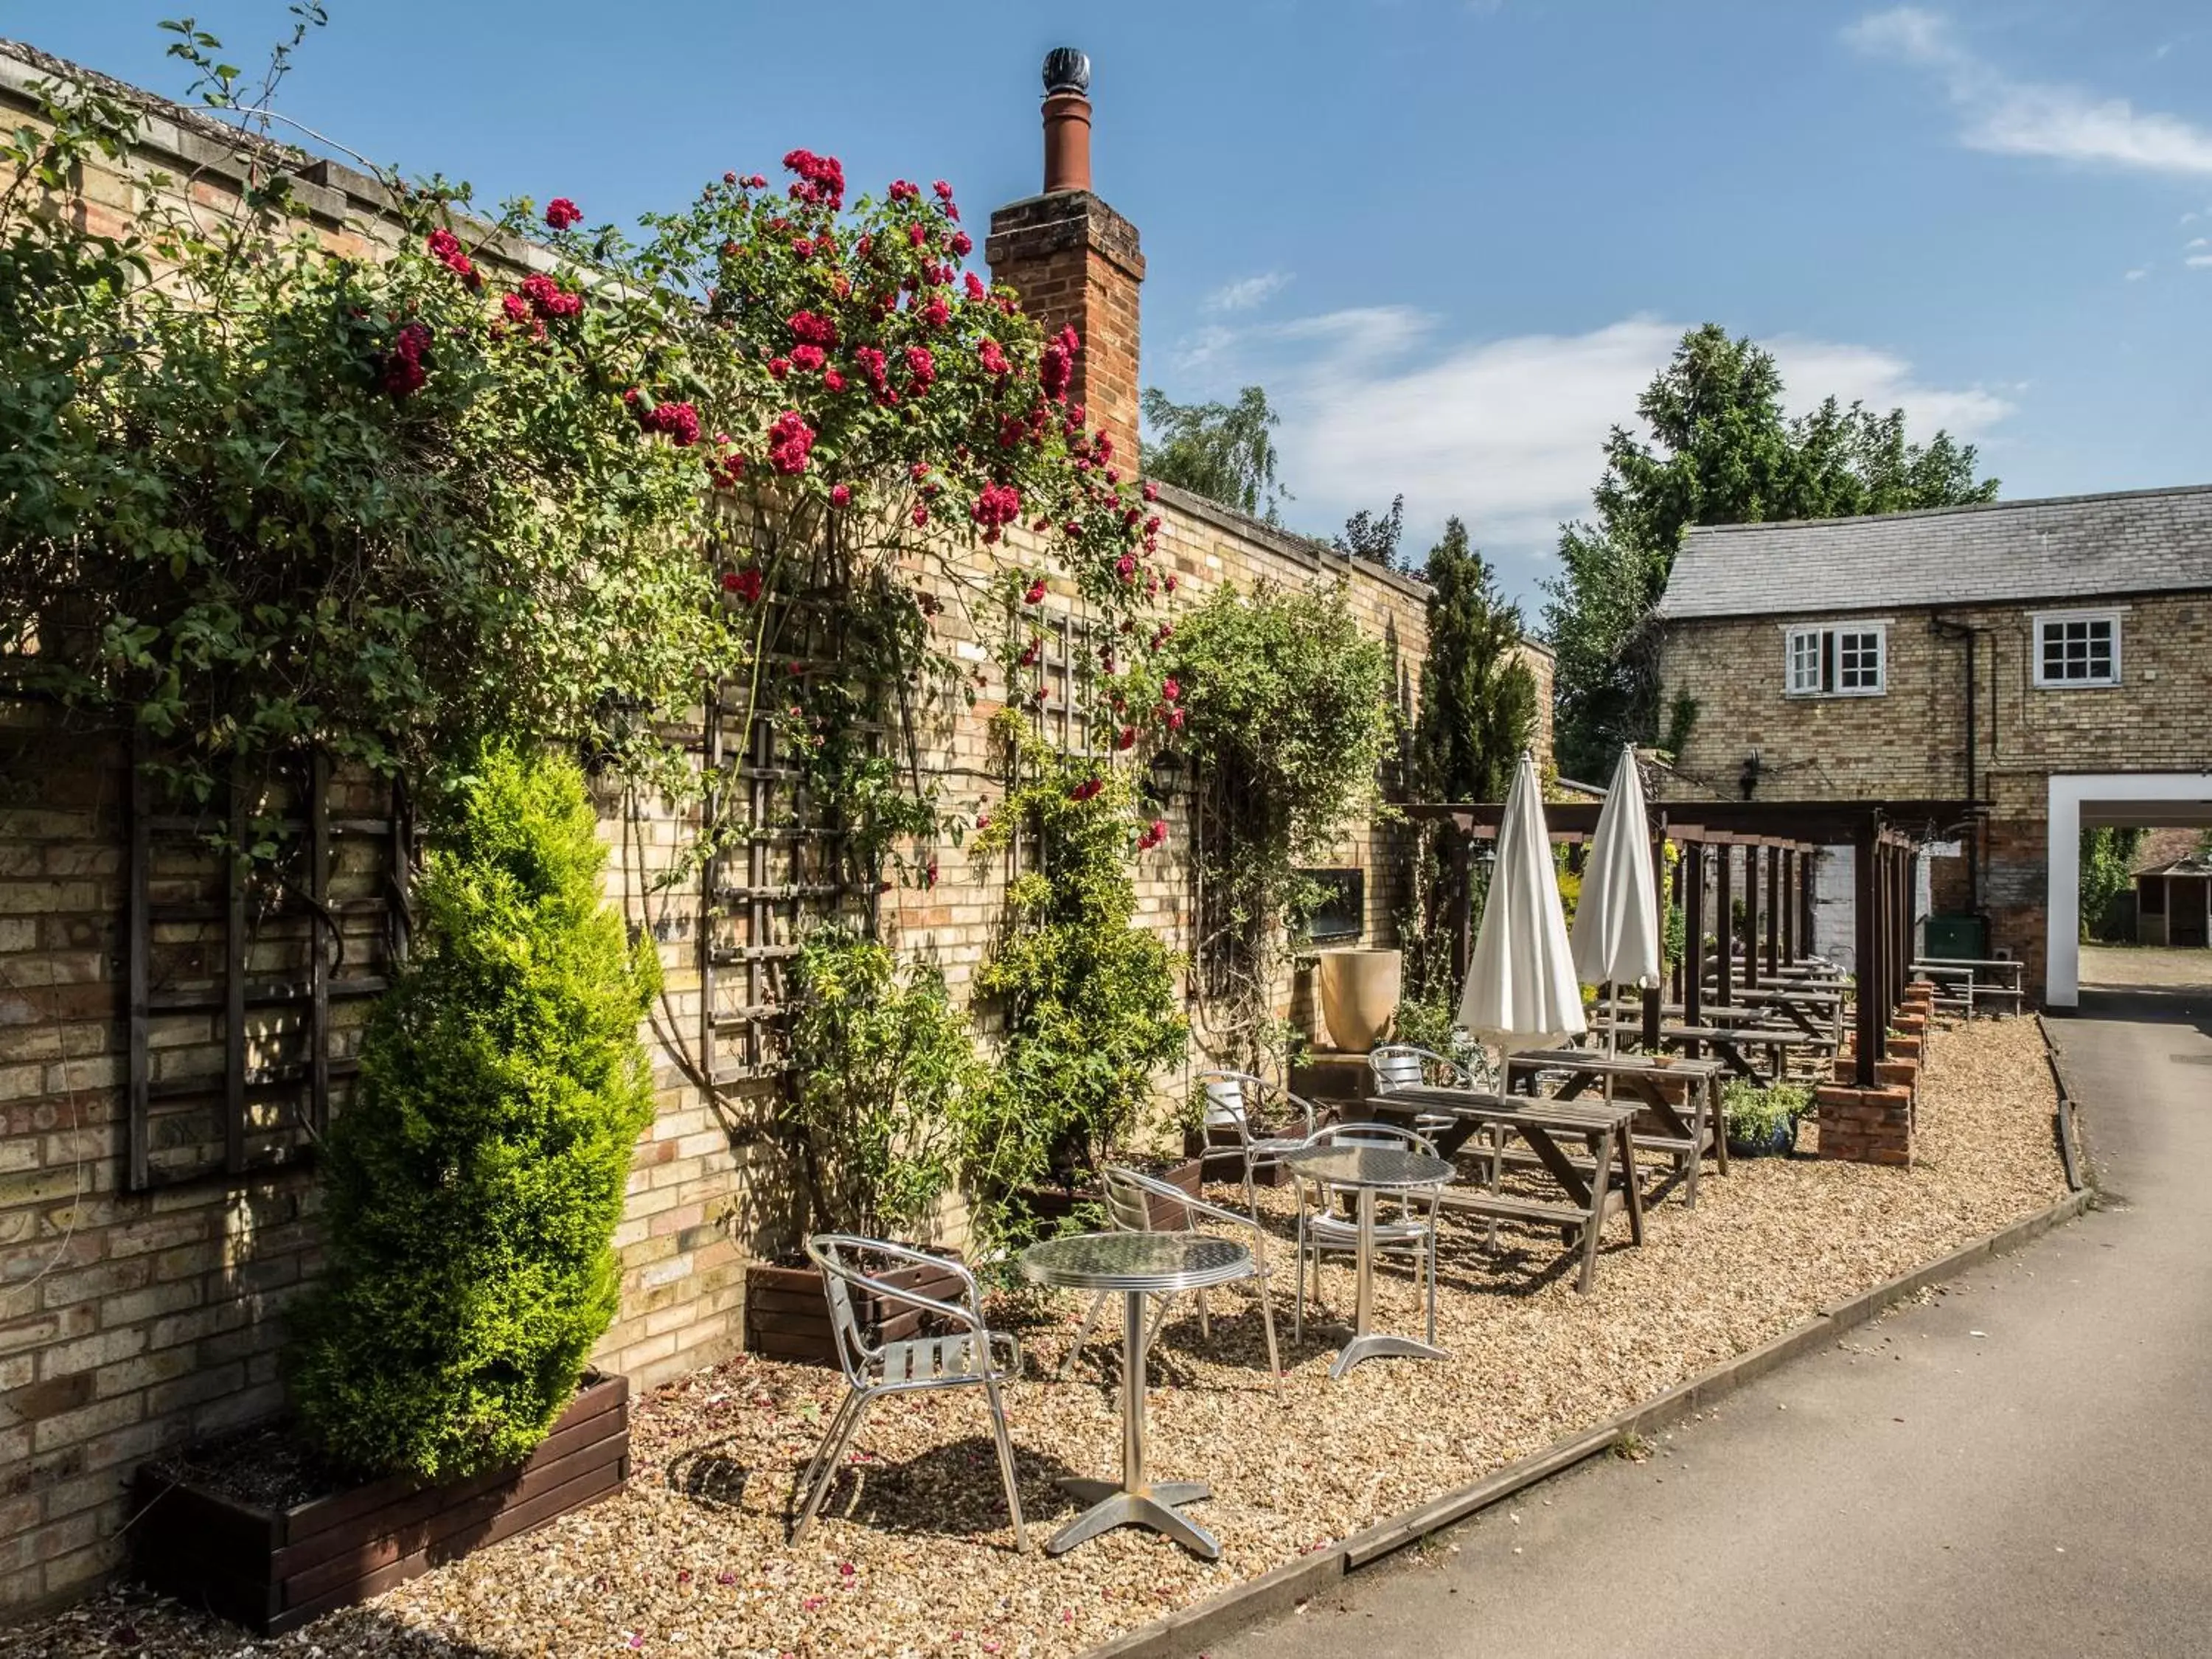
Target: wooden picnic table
(1800, 1006)
(1591, 1188)
(1728, 1042)
(1645, 1077)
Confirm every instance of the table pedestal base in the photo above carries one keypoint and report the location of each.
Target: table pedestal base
(1378, 1347)
(1154, 1506)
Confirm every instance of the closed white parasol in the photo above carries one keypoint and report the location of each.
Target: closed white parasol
(1616, 932)
(1521, 988)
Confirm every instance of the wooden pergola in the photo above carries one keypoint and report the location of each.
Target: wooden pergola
(1779, 839)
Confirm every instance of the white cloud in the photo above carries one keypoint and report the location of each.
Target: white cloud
(1248, 292)
(2008, 116)
(2199, 241)
(2199, 261)
(2138, 273)
(1506, 433)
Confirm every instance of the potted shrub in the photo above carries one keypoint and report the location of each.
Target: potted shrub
(1762, 1120)
(471, 1194)
(884, 1068)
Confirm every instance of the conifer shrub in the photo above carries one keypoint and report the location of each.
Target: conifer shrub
(473, 1187)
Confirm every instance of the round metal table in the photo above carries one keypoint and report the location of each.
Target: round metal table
(1369, 1170)
(1137, 1265)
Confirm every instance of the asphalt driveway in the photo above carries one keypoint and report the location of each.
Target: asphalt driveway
(2021, 1466)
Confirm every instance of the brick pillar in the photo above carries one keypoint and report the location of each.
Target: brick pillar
(1074, 261)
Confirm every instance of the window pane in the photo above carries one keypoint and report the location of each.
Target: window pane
(1858, 662)
(2079, 650)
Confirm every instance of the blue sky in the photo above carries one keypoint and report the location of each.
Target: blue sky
(1452, 239)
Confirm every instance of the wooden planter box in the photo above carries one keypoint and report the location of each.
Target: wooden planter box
(273, 1570)
(787, 1315)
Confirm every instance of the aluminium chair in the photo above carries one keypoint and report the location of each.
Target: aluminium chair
(1133, 1198)
(1234, 1101)
(969, 1358)
(1320, 1229)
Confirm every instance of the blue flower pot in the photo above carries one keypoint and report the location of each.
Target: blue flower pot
(1782, 1141)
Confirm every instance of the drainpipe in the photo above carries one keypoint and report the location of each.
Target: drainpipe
(1945, 628)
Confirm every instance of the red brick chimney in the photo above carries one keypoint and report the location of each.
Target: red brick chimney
(1074, 259)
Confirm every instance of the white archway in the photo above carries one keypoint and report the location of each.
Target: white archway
(2092, 799)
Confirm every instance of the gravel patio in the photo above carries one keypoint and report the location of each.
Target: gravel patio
(914, 1556)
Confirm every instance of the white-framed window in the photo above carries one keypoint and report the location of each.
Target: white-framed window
(2077, 648)
(1845, 661)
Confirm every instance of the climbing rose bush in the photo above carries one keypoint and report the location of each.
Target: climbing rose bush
(402, 505)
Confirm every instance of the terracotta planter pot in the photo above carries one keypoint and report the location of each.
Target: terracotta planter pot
(787, 1315)
(1358, 995)
(273, 1570)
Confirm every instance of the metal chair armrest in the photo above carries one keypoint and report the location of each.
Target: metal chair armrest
(970, 1316)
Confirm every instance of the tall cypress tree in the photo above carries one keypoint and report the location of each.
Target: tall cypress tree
(1478, 697)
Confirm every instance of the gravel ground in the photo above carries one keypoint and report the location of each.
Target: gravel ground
(914, 1554)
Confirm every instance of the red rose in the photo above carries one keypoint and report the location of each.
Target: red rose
(1036, 594)
(916, 234)
(936, 313)
(1170, 689)
(943, 191)
(961, 242)
(746, 583)
(993, 357)
(807, 358)
(1151, 492)
(790, 441)
(840, 494)
(778, 368)
(922, 366)
(812, 328)
(561, 213)
(975, 285)
(832, 381)
(680, 422)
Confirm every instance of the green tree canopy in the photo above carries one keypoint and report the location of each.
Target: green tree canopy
(1224, 451)
(1721, 450)
(1373, 535)
(1478, 697)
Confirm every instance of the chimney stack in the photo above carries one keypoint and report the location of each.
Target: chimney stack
(1074, 261)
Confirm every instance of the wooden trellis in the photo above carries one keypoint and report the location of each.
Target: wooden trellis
(785, 863)
(256, 931)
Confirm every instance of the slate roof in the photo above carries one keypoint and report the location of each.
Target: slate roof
(2068, 547)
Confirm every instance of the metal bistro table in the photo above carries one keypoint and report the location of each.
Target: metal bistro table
(1137, 1265)
(1370, 1170)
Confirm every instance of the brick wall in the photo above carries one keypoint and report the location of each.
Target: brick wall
(1910, 742)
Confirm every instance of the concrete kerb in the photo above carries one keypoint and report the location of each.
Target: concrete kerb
(1295, 1582)
(2079, 1171)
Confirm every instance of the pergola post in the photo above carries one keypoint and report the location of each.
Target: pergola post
(1866, 918)
(1751, 916)
(1693, 907)
(1659, 904)
(1774, 857)
(1724, 923)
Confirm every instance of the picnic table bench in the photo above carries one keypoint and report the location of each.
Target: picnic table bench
(1591, 1188)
